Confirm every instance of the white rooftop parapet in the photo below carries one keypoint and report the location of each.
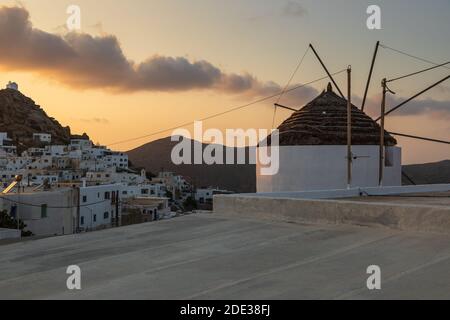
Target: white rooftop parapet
(349, 193)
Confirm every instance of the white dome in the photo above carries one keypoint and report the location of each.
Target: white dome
(12, 85)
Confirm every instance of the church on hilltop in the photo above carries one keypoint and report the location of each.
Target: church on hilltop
(12, 85)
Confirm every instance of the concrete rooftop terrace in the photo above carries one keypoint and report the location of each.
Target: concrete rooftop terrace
(214, 256)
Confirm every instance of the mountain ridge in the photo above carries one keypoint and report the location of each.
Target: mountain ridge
(237, 178)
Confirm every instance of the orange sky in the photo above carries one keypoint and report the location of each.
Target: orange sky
(254, 39)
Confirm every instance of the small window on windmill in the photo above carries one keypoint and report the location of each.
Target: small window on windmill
(389, 157)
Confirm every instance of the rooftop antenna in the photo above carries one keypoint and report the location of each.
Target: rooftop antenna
(326, 70)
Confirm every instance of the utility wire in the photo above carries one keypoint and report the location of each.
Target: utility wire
(418, 72)
(48, 207)
(288, 84)
(411, 56)
(223, 113)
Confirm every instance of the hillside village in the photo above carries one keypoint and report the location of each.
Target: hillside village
(57, 188)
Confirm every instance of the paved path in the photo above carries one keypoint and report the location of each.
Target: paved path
(217, 257)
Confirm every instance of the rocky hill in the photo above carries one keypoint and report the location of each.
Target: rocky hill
(156, 156)
(428, 173)
(20, 117)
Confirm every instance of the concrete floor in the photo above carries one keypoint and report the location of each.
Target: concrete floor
(216, 257)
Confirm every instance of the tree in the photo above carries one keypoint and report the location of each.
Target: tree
(169, 195)
(190, 204)
(150, 175)
(8, 222)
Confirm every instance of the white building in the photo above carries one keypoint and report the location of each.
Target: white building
(97, 151)
(3, 137)
(99, 206)
(37, 179)
(80, 144)
(6, 145)
(176, 184)
(206, 195)
(145, 190)
(33, 152)
(42, 137)
(56, 150)
(14, 163)
(45, 213)
(99, 176)
(65, 210)
(313, 150)
(44, 162)
(116, 175)
(117, 159)
(140, 210)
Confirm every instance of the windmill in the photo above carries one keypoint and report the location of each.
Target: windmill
(383, 111)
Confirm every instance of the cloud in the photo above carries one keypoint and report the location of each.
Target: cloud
(294, 9)
(443, 89)
(95, 120)
(84, 61)
(289, 9)
(434, 108)
(168, 73)
(437, 109)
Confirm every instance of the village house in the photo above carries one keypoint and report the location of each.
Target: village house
(141, 210)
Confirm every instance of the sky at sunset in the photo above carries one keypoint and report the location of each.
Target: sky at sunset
(139, 66)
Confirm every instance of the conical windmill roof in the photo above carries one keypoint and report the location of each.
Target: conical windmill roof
(323, 121)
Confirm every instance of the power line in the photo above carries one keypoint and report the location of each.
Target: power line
(288, 84)
(222, 113)
(51, 207)
(418, 72)
(411, 56)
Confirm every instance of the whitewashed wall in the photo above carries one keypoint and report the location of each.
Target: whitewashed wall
(310, 168)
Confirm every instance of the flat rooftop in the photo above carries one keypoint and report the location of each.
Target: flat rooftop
(214, 256)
